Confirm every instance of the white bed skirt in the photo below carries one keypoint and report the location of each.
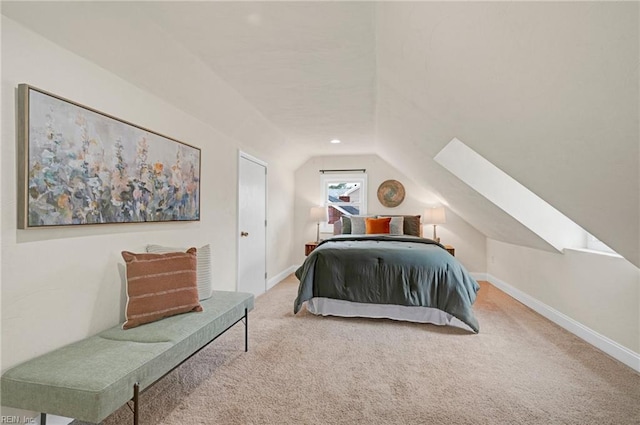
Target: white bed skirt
(332, 307)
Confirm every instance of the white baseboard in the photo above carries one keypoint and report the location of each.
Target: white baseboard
(479, 275)
(280, 277)
(612, 348)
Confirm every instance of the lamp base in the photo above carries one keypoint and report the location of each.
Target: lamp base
(435, 238)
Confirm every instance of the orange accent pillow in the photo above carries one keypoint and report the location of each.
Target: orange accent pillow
(377, 225)
(160, 285)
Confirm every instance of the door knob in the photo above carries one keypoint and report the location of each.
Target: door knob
(244, 234)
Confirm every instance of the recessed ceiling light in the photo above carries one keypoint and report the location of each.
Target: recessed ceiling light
(335, 141)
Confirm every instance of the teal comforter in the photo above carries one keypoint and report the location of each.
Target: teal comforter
(383, 269)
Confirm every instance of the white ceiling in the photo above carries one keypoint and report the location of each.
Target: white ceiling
(308, 68)
(548, 92)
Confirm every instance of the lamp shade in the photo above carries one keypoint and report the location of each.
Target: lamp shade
(318, 214)
(434, 216)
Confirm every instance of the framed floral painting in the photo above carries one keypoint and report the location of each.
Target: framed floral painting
(79, 166)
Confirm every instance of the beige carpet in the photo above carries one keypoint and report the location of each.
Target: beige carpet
(303, 369)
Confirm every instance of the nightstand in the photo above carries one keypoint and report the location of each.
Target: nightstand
(451, 250)
(309, 247)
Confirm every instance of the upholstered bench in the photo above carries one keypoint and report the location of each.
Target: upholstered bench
(90, 379)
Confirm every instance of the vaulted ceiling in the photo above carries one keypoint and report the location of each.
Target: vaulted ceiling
(548, 92)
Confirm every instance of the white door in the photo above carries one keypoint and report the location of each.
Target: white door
(252, 225)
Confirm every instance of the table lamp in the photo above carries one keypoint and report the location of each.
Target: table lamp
(318, 214)
(434, 216)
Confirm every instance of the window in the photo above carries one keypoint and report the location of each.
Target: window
(343, 194)
(512, 197)
(596, 245)
(515, 199)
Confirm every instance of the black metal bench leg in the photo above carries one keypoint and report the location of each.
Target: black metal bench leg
(136, 386)
(136, 407)
(43, 419)
(246, 330)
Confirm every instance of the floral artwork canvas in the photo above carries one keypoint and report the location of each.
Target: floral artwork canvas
(81, 166)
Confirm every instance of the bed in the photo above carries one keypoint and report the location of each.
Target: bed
(399, 277)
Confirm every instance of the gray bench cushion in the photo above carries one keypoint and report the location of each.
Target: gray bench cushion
(90, 379)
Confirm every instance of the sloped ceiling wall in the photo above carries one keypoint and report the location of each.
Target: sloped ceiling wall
(548, 92)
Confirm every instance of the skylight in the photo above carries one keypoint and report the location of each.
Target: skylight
(512, 197)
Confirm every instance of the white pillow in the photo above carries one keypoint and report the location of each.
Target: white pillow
(205, 281)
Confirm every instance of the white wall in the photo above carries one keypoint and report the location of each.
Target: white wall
(281, 187)
(61, 285)
(602, 292)
(468, 242)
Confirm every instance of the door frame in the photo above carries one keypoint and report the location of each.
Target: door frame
(243, 155)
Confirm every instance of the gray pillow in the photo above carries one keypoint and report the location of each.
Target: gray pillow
(358, 225)
(411, 224)
(346, 225)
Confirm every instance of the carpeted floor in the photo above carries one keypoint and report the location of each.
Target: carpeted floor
(303, 369)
